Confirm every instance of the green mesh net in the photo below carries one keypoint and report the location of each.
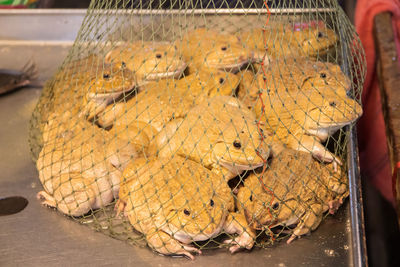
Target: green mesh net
(191, 125)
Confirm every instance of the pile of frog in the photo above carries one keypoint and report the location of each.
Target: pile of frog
(160, 130)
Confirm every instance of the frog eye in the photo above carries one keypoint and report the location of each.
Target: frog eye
(106, 76)
(237, 144)
(186, 212)
(158, 55)
(320, 35)
(332, 104)
(212, 203)
(223, 48)
(275, 206)
(221, 80)
(323, 75)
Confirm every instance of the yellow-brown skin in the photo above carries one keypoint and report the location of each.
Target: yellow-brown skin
(87, 86)
(148, 60)
(306, 102)
(86, 159)
(203, 48)
(285, 40)
(70, 85)
(105, 87)
(249, 88)
(220, 133)
(291, 76)
(302, 190)
(161, 101)
(176, 201)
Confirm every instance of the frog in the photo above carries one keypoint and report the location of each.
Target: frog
(176, 201)
(207, 84)
(175, 97)
(87, 86)
(282, 39)
(294, 190)
(70, 84)
(292, 75)
(104, 88)
(220, 134)
(306, 122)
(126, 142)
(153, 106)
(305, 102)
(76, 154)
(149, 61)
(76, 180)
(205, 48)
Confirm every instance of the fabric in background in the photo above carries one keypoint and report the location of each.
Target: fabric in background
(374, 156)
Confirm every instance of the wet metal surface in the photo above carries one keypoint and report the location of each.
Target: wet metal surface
(41, 236)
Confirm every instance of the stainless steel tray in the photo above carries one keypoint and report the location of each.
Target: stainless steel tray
(38, 235)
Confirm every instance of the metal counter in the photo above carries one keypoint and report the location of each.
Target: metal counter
(41, 236)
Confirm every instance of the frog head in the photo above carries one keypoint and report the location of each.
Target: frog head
(232, 130)
(73, 194)
(324, 77)
(326, 114)
(148, 61)
(158, 61)
(226, 56)
(264, 206)
(239, 147)
(314, 37)
(199, 218)
(109, 82)
(104, 87)
(221, 82)
(208, 83)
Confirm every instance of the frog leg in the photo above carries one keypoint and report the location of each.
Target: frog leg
(119, 207)
(337, 202)
(334, 205)
(223, 172)
(46, 199)
(336, 186)
(165, 142)
(236, 223)
(109, 115)
(167, 245)
(309, 143)
(308, 222)
(92, 108)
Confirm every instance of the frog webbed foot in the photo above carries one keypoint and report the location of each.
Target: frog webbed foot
(308, 222)
(334, 205)
(167, 245)
(46, 199)
(236, 223)
(119, 207)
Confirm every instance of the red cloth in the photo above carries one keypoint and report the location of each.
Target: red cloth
(374, 156)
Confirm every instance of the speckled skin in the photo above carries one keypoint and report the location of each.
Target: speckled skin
(175, 201)
(294, 190)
